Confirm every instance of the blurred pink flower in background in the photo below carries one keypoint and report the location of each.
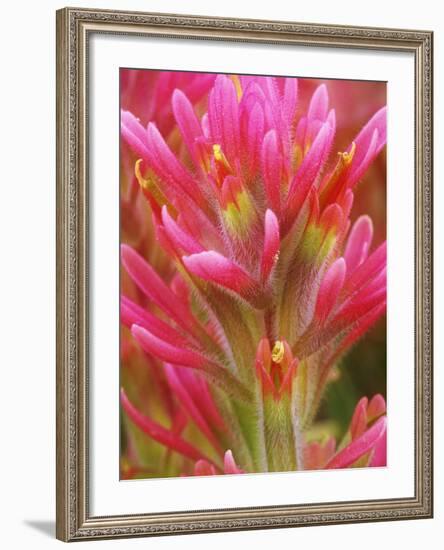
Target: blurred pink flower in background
(244, 280)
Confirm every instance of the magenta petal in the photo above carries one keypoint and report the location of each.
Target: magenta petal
(205, 123)
(346, 202)
(362, 326)
(187, 121)
(252, 96)
(360, 446)
(187, 357)
(254, 138)
(133, 125)
(376, 407)
(310, 169)
(329, 290)
(290, 98)
(155, 289)
(318, 108)
(273, 110)
(363, 301)
(198, 85)
(332, 218)
(272, 102)
(199, 389)
(131, 313)
(271, 244)
(163, 158)
(215, 268)
(170, 170)
(301, 133)
(368, 295)
(369, 142)
(230, 466)
(203, 468)
(331, 119)
(358, 243)
(358, 170)
(223, 117)
(379, 458)
(158, 432)
(166, 351)
(358, 423)
(181, 239)
(377, 122)
(272, 167)
(134, 134)
(181, 392)
(367, 270)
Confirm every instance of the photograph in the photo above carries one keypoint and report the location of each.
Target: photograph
(253, 267)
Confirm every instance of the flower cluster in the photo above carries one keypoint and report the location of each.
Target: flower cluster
(247, 282)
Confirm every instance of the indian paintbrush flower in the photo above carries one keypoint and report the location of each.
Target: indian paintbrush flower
(269, 283)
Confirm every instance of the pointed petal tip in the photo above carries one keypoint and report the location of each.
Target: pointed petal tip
(127, 253)
(218, 269)
(230, 466)
(271, 246)
(177, 94)
(137, 331)
(376, 407)
(318, 107)
(339, 264)
(167, 351)
(271, 218)
(331, 118)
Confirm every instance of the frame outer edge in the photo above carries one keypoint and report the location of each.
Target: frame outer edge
(427, 247)
(62, 279)
(429, 63)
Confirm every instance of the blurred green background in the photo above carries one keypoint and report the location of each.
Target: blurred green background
(362, 372)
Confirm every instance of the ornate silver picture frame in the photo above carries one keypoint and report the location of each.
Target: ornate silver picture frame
(75, 518)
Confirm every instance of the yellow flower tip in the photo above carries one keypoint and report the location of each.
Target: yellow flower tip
(348, 157)
(217, 152)
(220, 158)
(237, 85)
(277, 354)
(150, 187)
(142, 181)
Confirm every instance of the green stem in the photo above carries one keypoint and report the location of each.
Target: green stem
(279, 435)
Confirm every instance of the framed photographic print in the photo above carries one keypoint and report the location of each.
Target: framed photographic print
(244, 274)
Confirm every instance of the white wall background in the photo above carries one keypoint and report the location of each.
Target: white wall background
(27, 218)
